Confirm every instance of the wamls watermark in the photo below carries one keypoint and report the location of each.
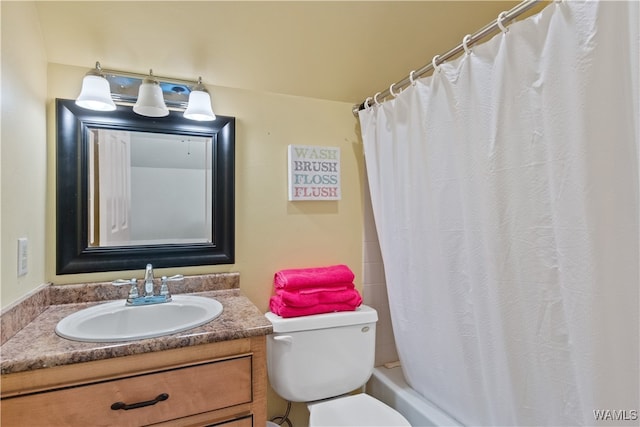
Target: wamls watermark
(615, 414)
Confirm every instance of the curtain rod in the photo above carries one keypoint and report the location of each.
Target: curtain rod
(503, 19)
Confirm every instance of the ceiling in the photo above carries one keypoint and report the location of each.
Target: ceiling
(336, 50)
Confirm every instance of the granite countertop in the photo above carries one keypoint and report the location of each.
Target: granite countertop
(37, 346)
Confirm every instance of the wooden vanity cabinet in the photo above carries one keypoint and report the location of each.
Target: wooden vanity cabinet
(221, 384)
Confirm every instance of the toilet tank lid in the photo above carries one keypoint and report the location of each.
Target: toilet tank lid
(363, 314)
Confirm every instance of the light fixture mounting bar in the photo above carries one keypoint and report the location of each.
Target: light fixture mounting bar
(124, 88)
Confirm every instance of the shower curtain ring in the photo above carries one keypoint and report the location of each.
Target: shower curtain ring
(375, 98)
(367, 105)
(434, 63)
(411, 78)
(465, 44)
(501, 17)
(392, 92)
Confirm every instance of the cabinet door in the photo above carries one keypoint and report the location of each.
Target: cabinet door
(190, 390)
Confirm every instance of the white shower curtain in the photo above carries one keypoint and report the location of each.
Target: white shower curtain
(505, 194)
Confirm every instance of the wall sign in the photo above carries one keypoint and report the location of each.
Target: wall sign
(314, 173)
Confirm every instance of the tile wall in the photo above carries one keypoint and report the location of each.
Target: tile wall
(375, 287)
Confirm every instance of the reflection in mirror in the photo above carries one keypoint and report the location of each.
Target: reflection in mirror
(132, 190)
(148, 188)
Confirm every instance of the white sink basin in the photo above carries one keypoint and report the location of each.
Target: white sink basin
(114, 321)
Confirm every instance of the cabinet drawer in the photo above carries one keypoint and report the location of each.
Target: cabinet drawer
(240, 422)
(191, 390)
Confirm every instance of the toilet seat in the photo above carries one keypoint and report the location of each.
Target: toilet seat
(356, 410)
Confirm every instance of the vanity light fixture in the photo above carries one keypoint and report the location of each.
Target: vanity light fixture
(150, 102)
(95, 93)
(150, 96)
(199, 107)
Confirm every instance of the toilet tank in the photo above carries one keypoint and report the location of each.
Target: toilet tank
(323, 355)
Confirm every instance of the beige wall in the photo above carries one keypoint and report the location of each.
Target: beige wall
(23, 148)
(271, 232)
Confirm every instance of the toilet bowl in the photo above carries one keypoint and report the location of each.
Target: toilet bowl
(319, 359)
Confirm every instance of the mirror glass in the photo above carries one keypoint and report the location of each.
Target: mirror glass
(133, 190)
(148, 188)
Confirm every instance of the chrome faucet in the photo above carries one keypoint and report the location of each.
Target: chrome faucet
(148, 281)
(148, 298)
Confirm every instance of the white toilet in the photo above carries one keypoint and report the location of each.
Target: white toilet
(320, 358)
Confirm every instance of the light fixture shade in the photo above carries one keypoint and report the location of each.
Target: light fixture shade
(199, 107)
(150, 102)
(95, 94)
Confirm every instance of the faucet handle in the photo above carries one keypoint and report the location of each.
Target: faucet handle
(164, 288)
(133, 291)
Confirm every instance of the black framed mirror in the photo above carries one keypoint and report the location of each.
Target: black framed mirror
(172, 189)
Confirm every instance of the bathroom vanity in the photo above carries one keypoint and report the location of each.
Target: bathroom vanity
(214, 374)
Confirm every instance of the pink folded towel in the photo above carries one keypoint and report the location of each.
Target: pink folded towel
(277, 307)
(309, 297)
(297, 278)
